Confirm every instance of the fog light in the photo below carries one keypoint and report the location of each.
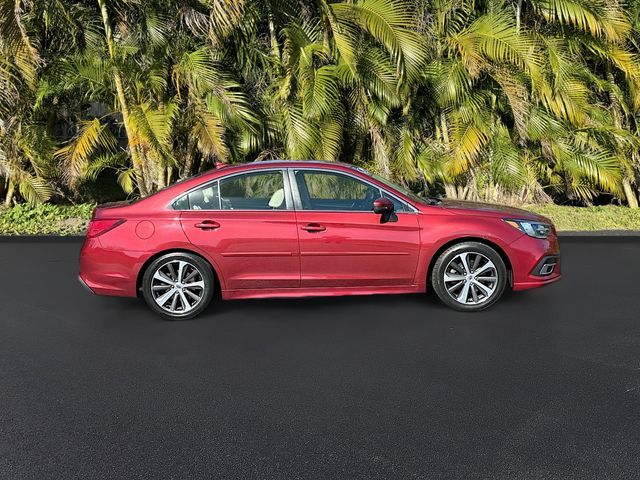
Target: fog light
(546, 266)
(547, 269)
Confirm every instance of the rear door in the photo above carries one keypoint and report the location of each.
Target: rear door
(246, 223)
(342, 241)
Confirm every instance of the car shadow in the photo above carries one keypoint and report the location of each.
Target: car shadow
(326, 303)
(128, 308)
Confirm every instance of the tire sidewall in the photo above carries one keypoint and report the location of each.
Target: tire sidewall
(437, 276)
(207, 275)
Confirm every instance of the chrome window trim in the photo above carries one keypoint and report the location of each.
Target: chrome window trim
(285, 180)
(298, 203)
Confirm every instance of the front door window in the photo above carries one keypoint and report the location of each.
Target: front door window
(334, 192)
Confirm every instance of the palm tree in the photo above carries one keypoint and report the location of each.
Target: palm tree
(174, 101)
(524, 100)
(328, 79)
(25, 150)
(512, 107)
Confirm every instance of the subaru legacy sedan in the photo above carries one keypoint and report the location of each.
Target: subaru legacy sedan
(310, 228)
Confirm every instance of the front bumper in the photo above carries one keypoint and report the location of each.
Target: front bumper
(535, 262)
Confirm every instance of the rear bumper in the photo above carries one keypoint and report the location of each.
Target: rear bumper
(109, 272)
(84, 285)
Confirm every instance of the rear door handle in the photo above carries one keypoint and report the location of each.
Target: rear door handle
(314, 227)
(207, 225)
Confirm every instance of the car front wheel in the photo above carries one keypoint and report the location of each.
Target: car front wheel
(178, 286)
(469, 276)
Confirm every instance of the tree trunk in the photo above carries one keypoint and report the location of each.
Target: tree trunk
(188, 166)
(275, 48)
(147, 169)
(445, 130)
(10, 191)
(630, 195)
(122, 100)
(450, 190)
(380, 152)
(518, 15)
(187, 170)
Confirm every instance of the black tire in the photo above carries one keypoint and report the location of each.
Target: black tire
(452, 255)
(191, 263)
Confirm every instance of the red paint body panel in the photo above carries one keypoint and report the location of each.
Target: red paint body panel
(267, 253)
(356, 250)
(526, 253)
(252, 249)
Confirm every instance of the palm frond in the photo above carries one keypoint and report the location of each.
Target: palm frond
(597, 17)
(127, 180)
(15, 41)
(91, 137)
(493, 38)
(34, 189)
(302, 135)
(468, 139)
(450, 80)
(102, 162)
(507, 166)
(209, 134)
(331, 137)
(595, 164)
(391, 23)
(321, 97)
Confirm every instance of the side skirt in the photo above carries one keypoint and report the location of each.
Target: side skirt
(320, 291)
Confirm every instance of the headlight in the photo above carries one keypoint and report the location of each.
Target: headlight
(533, 229)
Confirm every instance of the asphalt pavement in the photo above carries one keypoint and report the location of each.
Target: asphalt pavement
(545, 385)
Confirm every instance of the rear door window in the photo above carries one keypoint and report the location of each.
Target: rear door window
(248, 191)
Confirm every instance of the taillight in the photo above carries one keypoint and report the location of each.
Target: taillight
(103, 225)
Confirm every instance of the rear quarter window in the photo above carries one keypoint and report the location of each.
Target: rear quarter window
(182, 203)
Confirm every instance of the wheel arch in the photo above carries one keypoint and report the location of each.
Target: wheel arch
(217, 284)
(487, 242)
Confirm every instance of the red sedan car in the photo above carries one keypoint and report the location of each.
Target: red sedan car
(294, 228)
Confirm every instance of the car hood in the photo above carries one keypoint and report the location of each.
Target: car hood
(462, 207)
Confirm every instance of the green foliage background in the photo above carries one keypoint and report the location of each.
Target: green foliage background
(46, 219)
(524, 101)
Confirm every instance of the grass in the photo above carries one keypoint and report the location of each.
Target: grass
(590, 218)
(73, 220)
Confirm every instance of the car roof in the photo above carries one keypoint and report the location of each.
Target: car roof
(285, 164)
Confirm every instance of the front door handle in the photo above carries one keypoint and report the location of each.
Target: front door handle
(314, 227)
(207, 225)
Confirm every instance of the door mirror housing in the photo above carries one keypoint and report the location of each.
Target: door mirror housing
(383, 206)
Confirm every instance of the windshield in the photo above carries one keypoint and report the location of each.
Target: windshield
(401, 189)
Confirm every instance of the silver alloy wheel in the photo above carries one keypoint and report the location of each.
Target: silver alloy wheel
(177, 286)
(471, 278)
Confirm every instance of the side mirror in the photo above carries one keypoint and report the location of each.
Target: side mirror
(383, 206)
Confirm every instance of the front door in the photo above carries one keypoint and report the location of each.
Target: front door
(247, 225)
(343, 242)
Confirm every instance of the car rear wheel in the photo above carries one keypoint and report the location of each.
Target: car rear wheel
(178, 286)
(469, 276)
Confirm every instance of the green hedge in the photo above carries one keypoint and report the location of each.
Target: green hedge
(45, 219)
(70, 220)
